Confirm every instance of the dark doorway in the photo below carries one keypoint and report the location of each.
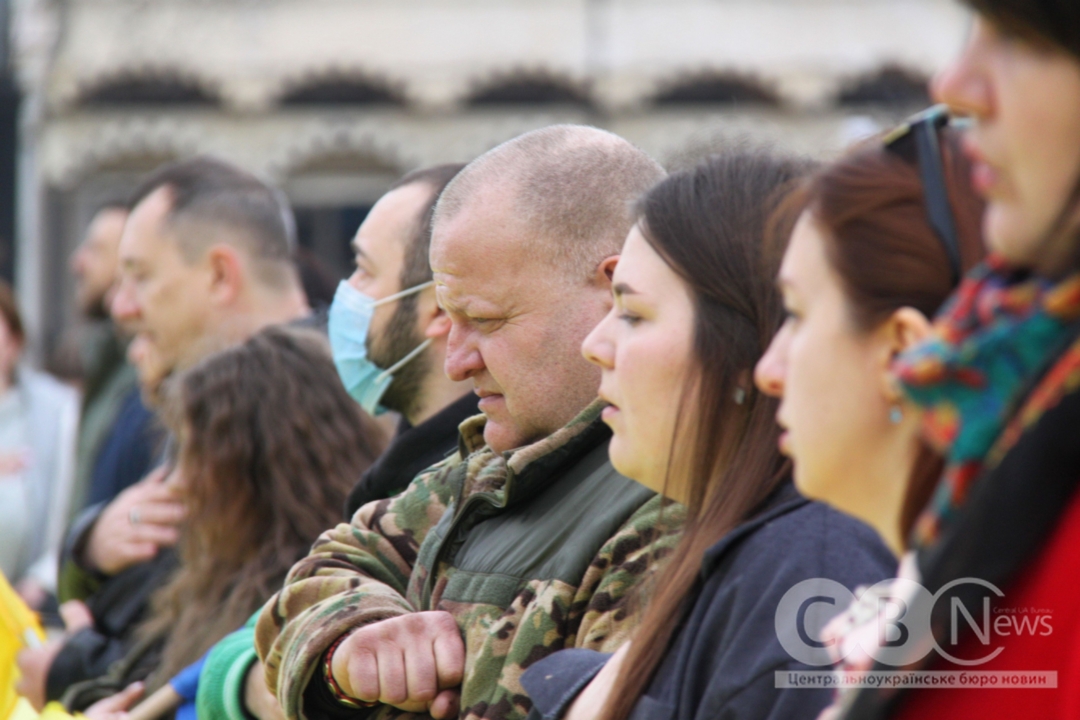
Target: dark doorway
(325, 235)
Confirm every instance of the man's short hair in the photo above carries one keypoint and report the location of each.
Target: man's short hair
(574, 188)
(205, 190)
(417, 268)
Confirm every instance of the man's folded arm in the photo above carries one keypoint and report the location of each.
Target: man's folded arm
(356, 574)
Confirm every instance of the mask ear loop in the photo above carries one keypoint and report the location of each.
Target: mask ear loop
(419, 348)
(404, 293)
(403, 361)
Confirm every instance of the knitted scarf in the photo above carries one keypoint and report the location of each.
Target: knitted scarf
(1001, 331)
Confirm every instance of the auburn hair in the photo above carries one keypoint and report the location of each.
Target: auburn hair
(872, 212)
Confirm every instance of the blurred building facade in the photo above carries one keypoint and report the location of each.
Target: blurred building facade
(333, 99)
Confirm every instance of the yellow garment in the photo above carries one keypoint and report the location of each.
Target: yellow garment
(19, 628)
(53, 711)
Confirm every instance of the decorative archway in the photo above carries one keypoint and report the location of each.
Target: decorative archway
(527, 87)
(713, 87)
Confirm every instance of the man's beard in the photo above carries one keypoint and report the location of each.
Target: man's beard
(95, 308)
(398, 340)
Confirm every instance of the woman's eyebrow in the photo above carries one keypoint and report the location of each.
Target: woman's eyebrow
(621, 289)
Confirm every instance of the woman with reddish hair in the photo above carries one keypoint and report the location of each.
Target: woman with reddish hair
(887, 232)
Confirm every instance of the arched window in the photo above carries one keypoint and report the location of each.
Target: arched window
(150, 88)
(716, 88)
(892, 85)
(528, 88)
(342, 89)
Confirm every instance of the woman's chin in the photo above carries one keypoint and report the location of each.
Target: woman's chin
(622, 457)
(1008, 235)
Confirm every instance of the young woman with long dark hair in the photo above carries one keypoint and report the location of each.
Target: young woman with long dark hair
(695, 307)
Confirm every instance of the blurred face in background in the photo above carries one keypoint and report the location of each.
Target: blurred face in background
(95, 262)
(11, 347)
(644, 349)
(162, 297)
(151, 371)
(1025, 99)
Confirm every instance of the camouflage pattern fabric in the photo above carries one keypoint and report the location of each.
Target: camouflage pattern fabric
(439, 546)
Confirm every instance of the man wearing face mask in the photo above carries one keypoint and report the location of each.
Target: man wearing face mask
(383, 316)
(389, 336)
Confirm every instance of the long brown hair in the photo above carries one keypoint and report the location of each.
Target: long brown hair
(709, 224)
(878, 239)
(270, 444)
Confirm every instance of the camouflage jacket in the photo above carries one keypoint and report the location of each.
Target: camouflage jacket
(532, 551)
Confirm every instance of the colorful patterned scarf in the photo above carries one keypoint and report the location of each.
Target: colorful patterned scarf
(998, 333)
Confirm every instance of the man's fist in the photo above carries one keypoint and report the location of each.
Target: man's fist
(414, 662)
(132, 527)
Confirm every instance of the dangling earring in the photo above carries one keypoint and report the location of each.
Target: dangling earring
(740, 396)
(896, 414)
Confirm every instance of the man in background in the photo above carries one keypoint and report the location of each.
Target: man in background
(118, 437)
(205, 262)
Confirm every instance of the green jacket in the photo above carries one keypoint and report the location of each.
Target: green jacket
(222, 680)
(532, 551)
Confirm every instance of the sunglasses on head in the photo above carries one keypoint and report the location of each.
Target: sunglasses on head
(918, 142)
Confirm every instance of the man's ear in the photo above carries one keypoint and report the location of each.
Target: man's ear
(226, 269)
(438, 325)
(905, 328)
(605, 271)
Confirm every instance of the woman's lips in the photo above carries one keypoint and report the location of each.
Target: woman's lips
(984, 176)
(609, 412)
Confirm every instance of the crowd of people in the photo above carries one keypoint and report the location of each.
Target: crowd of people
(575, 429)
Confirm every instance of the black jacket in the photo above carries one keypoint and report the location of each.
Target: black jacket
(413, 450)
(724, 660)
(118, 608)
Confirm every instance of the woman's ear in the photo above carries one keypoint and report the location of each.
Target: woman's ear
(911, 328)
(905, 328)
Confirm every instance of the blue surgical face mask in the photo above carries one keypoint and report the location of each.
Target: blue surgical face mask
(350, 321)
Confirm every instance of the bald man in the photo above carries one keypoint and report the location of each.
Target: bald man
(526, 540)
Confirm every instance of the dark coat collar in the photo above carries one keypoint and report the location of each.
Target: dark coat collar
(783, 500)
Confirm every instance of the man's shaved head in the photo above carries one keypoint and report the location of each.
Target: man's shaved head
(573, 187)
(523, 245)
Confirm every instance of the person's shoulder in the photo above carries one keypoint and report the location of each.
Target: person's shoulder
(815, 540)
(42, 383)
